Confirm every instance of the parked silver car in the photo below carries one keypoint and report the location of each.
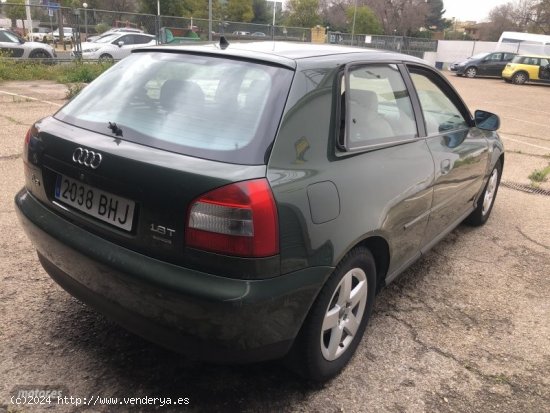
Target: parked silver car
(15, 46)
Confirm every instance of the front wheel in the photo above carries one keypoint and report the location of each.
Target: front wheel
(337, 320)
(480, 215)
(471, 72)
(40, 54)
(106, 58)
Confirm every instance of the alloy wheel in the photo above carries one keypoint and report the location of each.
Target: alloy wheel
(490, 192)
(344, 314)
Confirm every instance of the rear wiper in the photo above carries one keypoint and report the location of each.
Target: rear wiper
(115, 129)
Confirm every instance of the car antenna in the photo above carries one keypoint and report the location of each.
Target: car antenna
(223, 43)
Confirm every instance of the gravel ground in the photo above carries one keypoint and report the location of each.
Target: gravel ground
(466, 329)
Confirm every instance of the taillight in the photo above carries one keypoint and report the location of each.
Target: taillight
(237, 219)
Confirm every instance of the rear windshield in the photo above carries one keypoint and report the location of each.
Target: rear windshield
(209, 107)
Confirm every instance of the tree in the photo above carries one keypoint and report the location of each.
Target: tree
(434, 17)
(167, 8)
(16, 12)
(333, 14)
(366, 21)
(239, 10)
(401, 17)
(260, 11)
(303, 13)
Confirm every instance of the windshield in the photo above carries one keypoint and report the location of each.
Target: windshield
(108, 38)
(479, 56)
(13, 37)
(213, 108)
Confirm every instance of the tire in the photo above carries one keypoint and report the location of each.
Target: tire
(106, 58)
(470, 72)
(337, 320)
(480, 215)
(40, 54)
(520, 78)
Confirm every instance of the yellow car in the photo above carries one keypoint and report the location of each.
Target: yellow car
(527, 68)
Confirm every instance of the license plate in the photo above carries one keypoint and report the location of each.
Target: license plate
(102, 205)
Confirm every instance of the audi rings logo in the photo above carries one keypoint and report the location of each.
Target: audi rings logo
(87, 158)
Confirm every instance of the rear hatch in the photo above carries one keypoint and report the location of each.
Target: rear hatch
(131, 156)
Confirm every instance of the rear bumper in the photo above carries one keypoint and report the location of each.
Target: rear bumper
(202, 315)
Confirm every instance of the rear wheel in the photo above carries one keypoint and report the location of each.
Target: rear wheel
(337, 320)
(480, 215)
(471, 72)
(520, 78)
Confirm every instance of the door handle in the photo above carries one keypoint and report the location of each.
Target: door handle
(445, 166)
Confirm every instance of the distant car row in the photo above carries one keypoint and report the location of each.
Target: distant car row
(511, 67)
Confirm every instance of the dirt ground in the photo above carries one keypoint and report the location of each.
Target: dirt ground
(466, 329)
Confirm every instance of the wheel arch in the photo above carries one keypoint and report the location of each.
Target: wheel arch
(380, 250)
(525, 72)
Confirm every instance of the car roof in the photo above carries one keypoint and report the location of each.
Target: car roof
(282, 53)
(534, 55)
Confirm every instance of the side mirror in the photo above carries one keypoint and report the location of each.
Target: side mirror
(120, 44)
(486, 120)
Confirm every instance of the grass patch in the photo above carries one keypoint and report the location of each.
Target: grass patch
(73, 72)
(539, 175)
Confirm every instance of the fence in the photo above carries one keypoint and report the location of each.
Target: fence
(409, 45)
(89, 22)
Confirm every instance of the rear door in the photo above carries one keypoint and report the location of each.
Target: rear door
(460, 152)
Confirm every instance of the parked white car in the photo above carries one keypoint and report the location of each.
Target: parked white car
(67, 34)
(39, 34)
(15, 46)
(114, 30)
(115, 46)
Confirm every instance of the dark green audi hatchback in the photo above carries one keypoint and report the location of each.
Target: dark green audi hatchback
(247, 202)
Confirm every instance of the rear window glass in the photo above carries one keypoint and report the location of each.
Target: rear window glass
(214, 108)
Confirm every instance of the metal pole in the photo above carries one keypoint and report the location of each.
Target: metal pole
(273, 25)
(353, 25)
(158, 21)
(85, 21)
(209, 20)
(28, 13)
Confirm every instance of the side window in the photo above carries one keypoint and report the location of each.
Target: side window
(141, 39)
(3, 37)
(128, 39)
(440, 113)
(508, 56)
(544, 62)
(496, 57)
(376, 107)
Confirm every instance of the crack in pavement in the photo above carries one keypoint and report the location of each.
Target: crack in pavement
(13, 120)
(10, 157)
(531, 239)
(492, 378)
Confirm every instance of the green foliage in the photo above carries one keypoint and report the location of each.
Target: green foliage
(101, 28)
(167, 8)
(15, 12)
(434, 17)
(540, 175)
(261, 12)
(366, 21)
(76, 72)
(239, 10)
(303, 13)
(74, 89)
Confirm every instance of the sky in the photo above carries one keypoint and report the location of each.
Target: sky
(477, 10)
